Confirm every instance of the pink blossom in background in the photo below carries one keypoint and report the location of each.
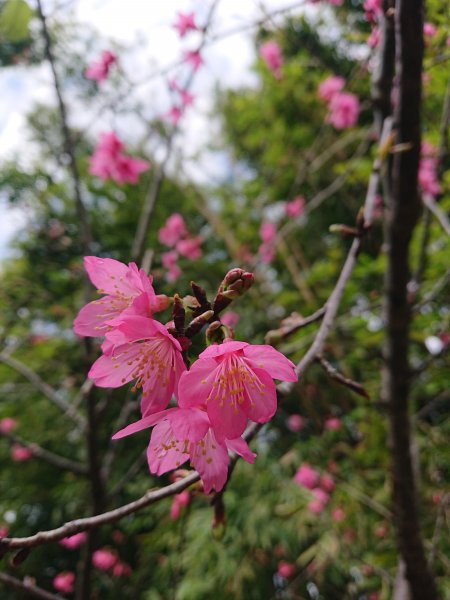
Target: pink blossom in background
(230, 318)
(307, 477)
(7, 424)
(286, 569)
(4, 531)
(142, 350)
(127, 290)
(271, 54)
(338, 514)
(295, 423)
(295, 208)
(187, 99)
(193, 58)
(268, 231)
(185, 22)
(173, 230)
(128, 169)
(374, 38)
(182, 434)
(428, 150)
(121, 569)
(234, 380)
(343, 110)
(104, 559)
(109, 161)
(332, 424)
(428, 176)
(373, 9)
(170, 262)
(174, 115)
(190, 248)
(179, 501)
(326, 483)
(64, 582)
(20, 453)
(320, 501)
(99, 70)
(266, 253)
(74, 541)
(429, 30)
(331, 86)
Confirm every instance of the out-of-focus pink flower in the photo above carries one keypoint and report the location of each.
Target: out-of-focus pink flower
(266, 253)
(428, 177)
(295, 423)
(104, 559)
(4, 531)
(327, 483)
(429, 30)
(343, 110)
(109, 162)
(307, 477)
(374, 38)
(331, 86)
(178, 502)
(295, 207)
(121, 569)
(332, 424)
(64, 582)
(338, 514)
(74, 541)
(286, 569)
(320, 501)
(55, 229)
(268, 231)
(185, 22)
(7, 424)
(271, 54)
(190, 248)
(20, 453)
(373, 9)
(187, 99)
(173, 230)
(193, 58)
(128, 290)
(99, 70)
(174, 115)
(169, 259)
(230, 318)
(144, 351)
(234, 381)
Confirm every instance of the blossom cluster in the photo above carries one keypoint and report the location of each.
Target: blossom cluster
(229, 384)
(428, 170)
(109, 161)
(174, 234)
(268, 231)
(99, 70)
(343, 107)
(271, 54)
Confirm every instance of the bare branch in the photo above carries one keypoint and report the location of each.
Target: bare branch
(336, 376)
(28, 588)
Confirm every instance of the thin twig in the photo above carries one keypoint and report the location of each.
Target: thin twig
(336, 376)
(28, 588)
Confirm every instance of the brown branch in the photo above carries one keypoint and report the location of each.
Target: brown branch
(337, 376)
(402, 217)
(292, 324)
(28, 588)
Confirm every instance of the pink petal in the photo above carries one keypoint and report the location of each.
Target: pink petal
(164, 452)
(116, 369)
(189, 424)
(240, 446)
(210, 459)
(92, 318)
(263, 397)
(227, 420)
(109, 275)
(142, 424)
(196, 384)
(276, 364)
(220, 349)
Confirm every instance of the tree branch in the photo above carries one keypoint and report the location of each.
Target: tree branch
(28, 588)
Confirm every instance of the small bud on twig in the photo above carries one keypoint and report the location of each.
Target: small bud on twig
(196, 324)
(179, 314)
(20, 557)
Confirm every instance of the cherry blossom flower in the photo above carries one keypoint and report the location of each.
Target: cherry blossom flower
(128, 290)
(295, 423)
(331, 86)
(109, 161)
(173, 230)
(20, 454)
(286, 569)
(295, 208)
(99, 70)
(268, 231)
(320, 501)
(332, 424)
(187, 99)
(374, 38)
(307, 477)
(179, 501)
(193, 58)
(344, 110)
(121, 569)
(182, 434)
(234, 380)
(144, 351)
(4, 531)
(174, 115)
(271, 54)
(74, 541)
(104, 559)
(326, 483)
(428, 170)
(266, 253)
(429, 30)
(230, 318)
(190, 248)
(185, 22)
(373, 9)
(170, 262)
(7, 424)
(338, 514)
(64, 582)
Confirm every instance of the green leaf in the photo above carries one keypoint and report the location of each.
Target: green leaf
(15, 19)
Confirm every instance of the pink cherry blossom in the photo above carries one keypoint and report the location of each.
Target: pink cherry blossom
(74, 541)
(144, 351)
(173, 230)
(429, 30)
(321, 499)
(295, 207)
(307, 477)
(428, 170)
(128, 290)
(326, 483)
(344, 110)
(127, 169)
(185, 22)
(230, 318)
(187, 99)
(373, 9)
(271, 54)
(109, 161)
(266, 253)
(338, 514)
(4, 531)
(7, 424)
(121, 569)
(286, 569)
(234, 380)
(374, 38)
(331, 86)
(193, 58)
(182, 434)
(174, 115)
(190, 248)
(104, 559)
(99, 70)
(295, 423)
(332, 424)
(20, 454)
(170, 262)
(64, 582)
(178, 502)
(268, 231)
